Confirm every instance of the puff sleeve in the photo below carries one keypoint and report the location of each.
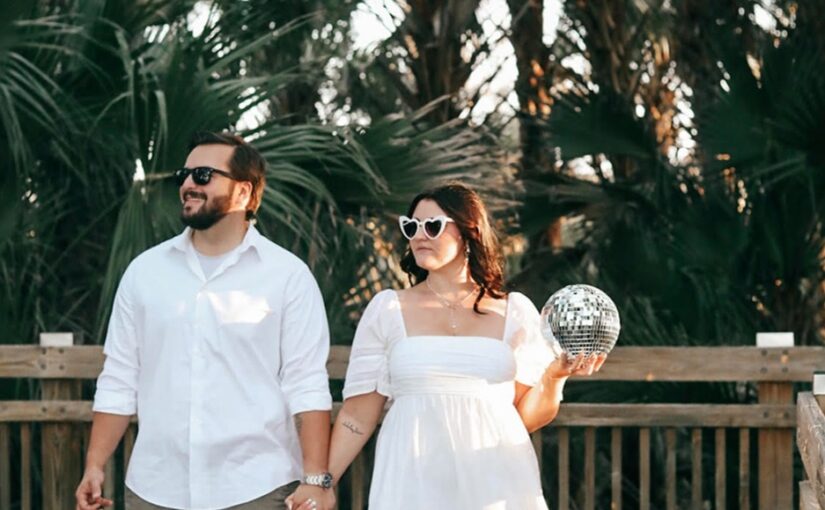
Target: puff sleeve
(533, 353)
(368, 363)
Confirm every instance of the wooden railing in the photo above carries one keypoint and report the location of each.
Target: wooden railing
(811, 441)
(61, 422)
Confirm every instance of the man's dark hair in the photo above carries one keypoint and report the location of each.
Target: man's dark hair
(246, 163)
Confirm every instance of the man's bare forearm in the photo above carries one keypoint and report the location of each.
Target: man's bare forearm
(313, 431)
(107, 430)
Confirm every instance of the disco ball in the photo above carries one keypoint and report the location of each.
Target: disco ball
(581, 318)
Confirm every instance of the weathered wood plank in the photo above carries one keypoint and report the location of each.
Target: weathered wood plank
(564, 468)
(696, 469)
(616, 469)
(590, 468)
(625, 363)
(683, 364)
(719, 478)
(775, 452)
(670, 468)
(578, 415)
(109, 482)
(358, 475)
(807, 497)
(744, 469)
(5, 466)
(25, 466)
(676, 415)
(60, 447)
(46, 411)
(810, 440)
(128, 445)
(644, 468)
(538, 446)
(76, 362)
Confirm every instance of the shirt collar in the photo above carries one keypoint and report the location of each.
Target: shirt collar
(252, 239)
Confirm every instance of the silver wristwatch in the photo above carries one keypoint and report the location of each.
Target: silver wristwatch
(320, 480)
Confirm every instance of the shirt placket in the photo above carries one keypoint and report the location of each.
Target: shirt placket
(198, 440)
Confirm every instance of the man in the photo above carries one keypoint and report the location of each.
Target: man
(217, 339)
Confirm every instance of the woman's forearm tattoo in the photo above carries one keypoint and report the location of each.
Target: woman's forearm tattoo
(352, 428)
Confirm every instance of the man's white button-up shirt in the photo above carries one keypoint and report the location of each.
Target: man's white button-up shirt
(215, 368)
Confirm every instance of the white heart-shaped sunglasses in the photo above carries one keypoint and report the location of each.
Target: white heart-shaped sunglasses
(433, 227)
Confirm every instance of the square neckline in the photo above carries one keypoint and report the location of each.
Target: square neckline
(454, 337)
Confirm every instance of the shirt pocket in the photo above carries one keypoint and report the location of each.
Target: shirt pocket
(242, 316)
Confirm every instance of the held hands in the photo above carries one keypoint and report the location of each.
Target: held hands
(564, 366)
(311, 497)
(89, 492)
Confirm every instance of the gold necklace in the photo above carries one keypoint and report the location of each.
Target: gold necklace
(450, 305)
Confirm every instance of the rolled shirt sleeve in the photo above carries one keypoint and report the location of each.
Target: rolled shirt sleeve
(117, 384)
(305, 346)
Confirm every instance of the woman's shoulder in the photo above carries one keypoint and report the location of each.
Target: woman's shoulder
(521, 303)
(383, 299)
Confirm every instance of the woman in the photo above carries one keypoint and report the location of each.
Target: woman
(466, 367)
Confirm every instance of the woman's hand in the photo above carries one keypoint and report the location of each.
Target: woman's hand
(564, 366)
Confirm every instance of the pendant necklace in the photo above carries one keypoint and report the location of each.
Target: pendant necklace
(450, 305)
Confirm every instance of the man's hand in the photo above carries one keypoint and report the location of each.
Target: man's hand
(311, 497)
(89, 492)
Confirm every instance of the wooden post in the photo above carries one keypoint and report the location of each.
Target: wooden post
(812, 448)
(5, 466)
(811, 442)
(775, 445)
(60, 445)
(819, 389)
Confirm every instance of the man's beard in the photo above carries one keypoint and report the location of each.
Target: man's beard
(210, 212)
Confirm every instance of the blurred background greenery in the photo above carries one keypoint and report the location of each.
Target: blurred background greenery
(669, 152)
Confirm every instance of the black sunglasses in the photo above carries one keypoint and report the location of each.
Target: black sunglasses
(201, 175)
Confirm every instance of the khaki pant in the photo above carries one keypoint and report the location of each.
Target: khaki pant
(272, 501)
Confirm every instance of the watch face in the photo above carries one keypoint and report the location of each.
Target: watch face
(327, 481)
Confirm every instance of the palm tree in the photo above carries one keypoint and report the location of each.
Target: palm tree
(92, 155)
(698, 244)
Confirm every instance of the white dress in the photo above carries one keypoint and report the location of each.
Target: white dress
(452, 437)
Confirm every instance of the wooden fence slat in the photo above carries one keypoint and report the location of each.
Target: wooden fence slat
(570, 415)
(616, 468)
(626, 363)
(357, 481)
(670, 468)
(128, 445)
(25, 467)
(36, 362)
(644, 468)
(807, 497)
(682, 364)
(5, 466)
(538, 446)
(744, 469)
(677, 415)
(590, 468)
(60, 449)
(811, 442)
(720, 489)
(109, 480)
(564, 468)
(775, 452)
(696, 469)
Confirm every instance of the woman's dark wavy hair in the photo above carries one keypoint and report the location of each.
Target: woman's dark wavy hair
(466, 208)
